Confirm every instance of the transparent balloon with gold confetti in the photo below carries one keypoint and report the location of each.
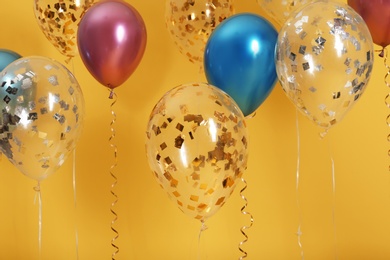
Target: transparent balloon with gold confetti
(197, 147)
(58, 20)
(190, 23)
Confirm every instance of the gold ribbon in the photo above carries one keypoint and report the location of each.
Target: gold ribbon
(115, 149)
(243, 211)
(383, 54)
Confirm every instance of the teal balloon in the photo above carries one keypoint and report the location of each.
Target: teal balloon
(7, 57)
(239, 59)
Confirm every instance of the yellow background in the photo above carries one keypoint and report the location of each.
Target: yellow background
(350, 222)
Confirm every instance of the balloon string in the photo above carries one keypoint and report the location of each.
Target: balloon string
(74, 189)
(243, 211)
(299, 232)
(114, 147)
(383, 54)
(334, 200)
(203, 227)
(38, 195)
(75, 203)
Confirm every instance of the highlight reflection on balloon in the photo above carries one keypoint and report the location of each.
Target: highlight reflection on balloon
(197, 147)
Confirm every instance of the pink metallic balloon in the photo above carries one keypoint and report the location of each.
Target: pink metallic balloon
(376, 14)
(111, 41)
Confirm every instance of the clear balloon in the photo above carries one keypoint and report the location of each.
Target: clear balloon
(59, 19)
(7, 57)
(41, 118)
(376, 14)
(190, 23)
(324, 59)
(239, 59)
(197, 147)
(112, 41)
(280, 10)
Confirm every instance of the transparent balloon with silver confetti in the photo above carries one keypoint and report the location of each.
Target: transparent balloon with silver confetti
(41, 115)
(324, 59)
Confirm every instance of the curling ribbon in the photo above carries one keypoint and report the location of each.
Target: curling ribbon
(383, 54)
(243, 211)
(114, 147)
(38, 195)
(299, 232)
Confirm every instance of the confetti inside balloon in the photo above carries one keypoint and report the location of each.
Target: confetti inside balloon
(324, 60)
(42, 109)
(190, 23)
(197, 147)
(58, 20)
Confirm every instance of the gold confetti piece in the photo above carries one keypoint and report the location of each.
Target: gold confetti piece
(220, 201)
(194, 198)
(42, 135)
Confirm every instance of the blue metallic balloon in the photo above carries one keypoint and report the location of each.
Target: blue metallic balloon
(7, 57)
(239, 59)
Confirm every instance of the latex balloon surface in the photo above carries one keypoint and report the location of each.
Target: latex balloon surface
(112, 41)
(59, 19)
(197, 147)
(376, 14)
(280, 10)
(324, 60)
(239, 59)
(7, 57)
(190, 23)
(42, 110)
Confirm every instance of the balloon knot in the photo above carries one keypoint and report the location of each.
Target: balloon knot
(37, 188)
(382, 53)
(203, 227)
(323, 134)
